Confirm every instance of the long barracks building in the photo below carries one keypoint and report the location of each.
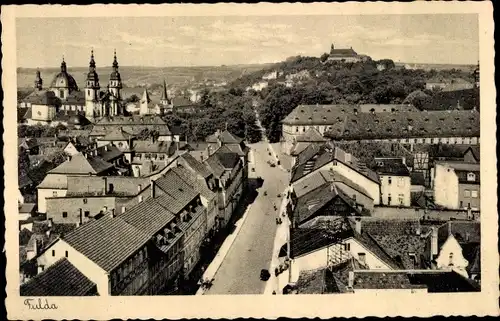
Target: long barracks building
(390, 123)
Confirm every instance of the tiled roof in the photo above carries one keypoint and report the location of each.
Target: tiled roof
(21, 112)
(343, 53)
(449, 100)
(311, 282)
(335, 177)
(464, 232)
(196, 165)
(54, 181)
(108, 153)
(311, 135)
(28, 142)
(132, 120)
(60, 279)
(226, 157)
(398, 238)
(197, 183)
(116, 134)
(443, 281)
(148, 216)
(451, 123)
(24, 236)
(381, 280)
(79, 164)
(333, 114)
(107, 241)
(309, 183)
(24, 181)
(148, 146)
(42, 97)
(75, 98)
(181, 102)
(171, 184)
(453, 152)
(391, 166)
(461, 166)
(238, 149)
(309, 204)
(225, 136)
(417, 178)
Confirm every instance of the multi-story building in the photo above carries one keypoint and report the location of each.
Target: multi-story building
(332, 159)
(345, 55)
(395, 188)
(456, 185)
(390, 123)
(228, 171)
(55, 184)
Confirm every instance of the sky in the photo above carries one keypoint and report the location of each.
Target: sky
(217, 40)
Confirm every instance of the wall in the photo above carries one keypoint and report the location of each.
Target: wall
(371, 187)
(43, 193)
(464, 201)
(193, 238)
(417, 188)
(458, 262)
(445, 184)
(399, 185)
(319, 259)
(42, 112)
(88, 268)
(72, 205)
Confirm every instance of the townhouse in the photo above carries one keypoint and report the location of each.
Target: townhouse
(395, 181)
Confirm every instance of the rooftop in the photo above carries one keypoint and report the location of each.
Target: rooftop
(60, 279)
(107, 241)
(79, 164)
(226, 137)
(391, 166)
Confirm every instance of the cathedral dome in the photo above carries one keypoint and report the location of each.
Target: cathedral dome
(64, 80)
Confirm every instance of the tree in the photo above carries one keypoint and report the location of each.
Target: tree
(132, 99)
(324, 57)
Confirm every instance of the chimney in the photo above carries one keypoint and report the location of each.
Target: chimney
(358, 225)
(105, 179)
(85, 154)
(418, 230)
(47, 233)
(434, 241)
(152, 189)
(113, 215)
(403, 160)
(124, 209)
(106, 147)
(350, 282)
(81, 216)
(139, 187)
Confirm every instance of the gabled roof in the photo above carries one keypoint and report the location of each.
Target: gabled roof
(464, 232)
(196, 182)
(124, 186)
(176, 188)
(148, 216)
(315, 157)
(42, 97)
(196, 165)
(79, 164)
(107, 241)
(226, 137)
(60, 279)
(148, 146)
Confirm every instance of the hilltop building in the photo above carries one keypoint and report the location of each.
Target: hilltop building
(345, 55)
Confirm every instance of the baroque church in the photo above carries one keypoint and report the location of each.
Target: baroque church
(65, 103)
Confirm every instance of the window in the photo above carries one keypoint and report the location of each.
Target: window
(53, 252)
(362, 258)
(474, 194)
(450, 259)
(389, 199)
(61, 93)
(120, 144)
(66, 253)
(65, 214)
(466, 193)
(347, 246)
(461, 204)
(85, 201)
(54, 194)
(389, 180)
(87, 213)
(401, 181)
(401, 199)
(471, 177)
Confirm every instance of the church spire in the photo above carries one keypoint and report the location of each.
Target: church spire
(115, 62)
(164, 95)
(92, 61)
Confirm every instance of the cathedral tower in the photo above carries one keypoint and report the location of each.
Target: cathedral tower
(91, 90)
(115, 85)
(38, 81)
(164, 95)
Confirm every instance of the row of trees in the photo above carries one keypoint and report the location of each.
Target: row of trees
(38, 130)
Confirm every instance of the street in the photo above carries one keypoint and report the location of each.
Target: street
(252, 249)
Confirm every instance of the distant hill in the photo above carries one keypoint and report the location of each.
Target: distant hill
(143, 76)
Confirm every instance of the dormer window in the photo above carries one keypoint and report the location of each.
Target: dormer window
(354, 121)
(410, 120)
(324, 117)
(346, 132)
(427, 119)
(310, 118)
(376, 121)
(302, 110)
(471, 177)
